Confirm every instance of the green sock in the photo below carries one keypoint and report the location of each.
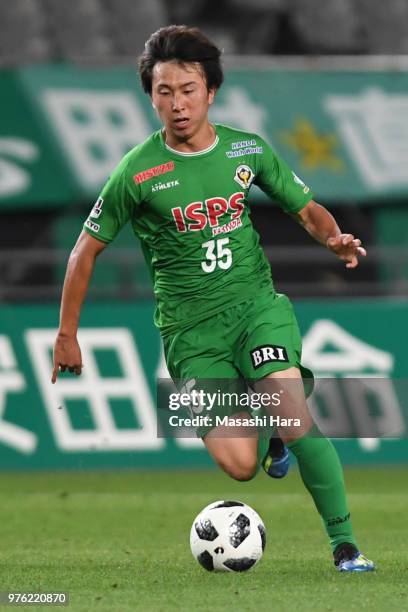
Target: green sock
(264, 435)
(322, 474)
(263, 445)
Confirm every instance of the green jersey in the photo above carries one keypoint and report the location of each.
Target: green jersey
(191, 214)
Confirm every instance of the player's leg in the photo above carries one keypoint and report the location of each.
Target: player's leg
(270, 357)
(290, 405)
(319, 465)
(234, 448)
(202, 357)
(318, 461)
(269, 318)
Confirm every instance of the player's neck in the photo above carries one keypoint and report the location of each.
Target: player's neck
(199, 141)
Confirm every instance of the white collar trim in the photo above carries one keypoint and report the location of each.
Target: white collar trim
(194, 153)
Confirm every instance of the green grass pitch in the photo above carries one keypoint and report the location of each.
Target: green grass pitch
(120, 541)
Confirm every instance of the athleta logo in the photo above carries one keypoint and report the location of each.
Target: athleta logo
(160, 186)
(152, 172)
(265, 354)
(201, 214)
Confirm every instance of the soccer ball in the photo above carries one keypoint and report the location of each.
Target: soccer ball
(227, 536)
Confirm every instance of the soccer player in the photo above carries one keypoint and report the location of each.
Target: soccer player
(185, 191)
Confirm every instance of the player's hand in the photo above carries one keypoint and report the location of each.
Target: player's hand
(67, 355)
(347, 248)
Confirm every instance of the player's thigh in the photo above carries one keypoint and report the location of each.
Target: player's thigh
(288, 402)
(234, 447)
(271, 339)
(270, 359)
(200, 359)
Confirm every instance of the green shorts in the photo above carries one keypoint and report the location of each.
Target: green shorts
(241, 344)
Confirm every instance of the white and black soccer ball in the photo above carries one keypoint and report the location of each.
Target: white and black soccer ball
(228, 536)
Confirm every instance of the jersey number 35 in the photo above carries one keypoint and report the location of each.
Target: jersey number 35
(217, 254)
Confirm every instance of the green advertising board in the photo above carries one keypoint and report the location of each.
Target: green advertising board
(345, 133)
(32, 172)
(107, 417)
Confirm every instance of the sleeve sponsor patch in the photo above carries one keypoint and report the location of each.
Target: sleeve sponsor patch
(267, 354)
(301, 183)
(97, 209)
(95, 227)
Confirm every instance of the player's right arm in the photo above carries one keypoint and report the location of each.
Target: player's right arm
(110, 213)
(67, 353)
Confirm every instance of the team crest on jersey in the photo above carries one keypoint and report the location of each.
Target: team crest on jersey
(244, 176)
(97, 209)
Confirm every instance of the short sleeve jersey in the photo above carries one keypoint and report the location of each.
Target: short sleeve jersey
(191, 214)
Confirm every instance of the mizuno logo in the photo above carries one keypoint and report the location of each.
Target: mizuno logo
(152, 172)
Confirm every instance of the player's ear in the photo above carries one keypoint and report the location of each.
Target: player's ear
(211, 95)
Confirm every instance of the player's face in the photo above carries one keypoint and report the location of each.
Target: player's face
(181, 99)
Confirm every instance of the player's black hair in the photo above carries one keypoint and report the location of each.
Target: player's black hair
(183, 44)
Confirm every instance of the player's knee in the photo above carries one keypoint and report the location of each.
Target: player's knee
(240, 470)
(290, 435)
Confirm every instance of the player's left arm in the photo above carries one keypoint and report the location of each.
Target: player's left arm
(322, 226)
